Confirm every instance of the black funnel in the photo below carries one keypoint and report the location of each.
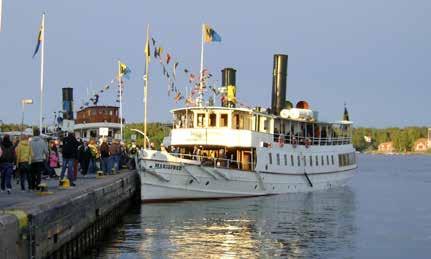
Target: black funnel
(67, 103)
(228, 77)
(279, 83)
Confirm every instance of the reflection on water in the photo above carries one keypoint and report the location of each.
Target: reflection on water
(319, 224)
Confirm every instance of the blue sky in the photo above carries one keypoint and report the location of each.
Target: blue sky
(373, 55)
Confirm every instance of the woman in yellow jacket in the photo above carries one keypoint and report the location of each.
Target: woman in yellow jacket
(23, 160)
(92, 168)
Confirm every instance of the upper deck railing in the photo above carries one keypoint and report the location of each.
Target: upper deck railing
(301, 140)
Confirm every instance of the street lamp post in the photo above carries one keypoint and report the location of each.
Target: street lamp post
(23, 103)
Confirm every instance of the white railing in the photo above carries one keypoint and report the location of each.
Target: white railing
(301, 140)
(216, 162)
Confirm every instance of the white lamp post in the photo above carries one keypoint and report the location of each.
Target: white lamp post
(23, 103)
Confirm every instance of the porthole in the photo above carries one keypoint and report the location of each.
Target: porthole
(255, 187)
(191, 181)
(208, 182)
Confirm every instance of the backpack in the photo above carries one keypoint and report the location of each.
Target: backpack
(8, 154)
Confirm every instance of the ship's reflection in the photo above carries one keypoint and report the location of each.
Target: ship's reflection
(319, 224)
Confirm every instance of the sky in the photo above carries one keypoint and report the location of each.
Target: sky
(372, 55)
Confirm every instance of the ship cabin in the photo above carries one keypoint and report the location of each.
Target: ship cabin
(226, 136)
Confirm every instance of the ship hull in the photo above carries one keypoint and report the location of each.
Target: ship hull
(162, 180)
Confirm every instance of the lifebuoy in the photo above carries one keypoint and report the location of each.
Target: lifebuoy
(281, 140)
(307, 142)
(294, 142)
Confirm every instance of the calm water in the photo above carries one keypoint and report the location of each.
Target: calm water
(385, 212)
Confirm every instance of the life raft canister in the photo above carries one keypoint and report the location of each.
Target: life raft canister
(307, 142)
(294, 142)
(281, 140)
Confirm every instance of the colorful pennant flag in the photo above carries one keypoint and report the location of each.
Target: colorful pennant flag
(147, 50)
(168, 58)
(39, 38)
(191, 78)
(210, 35)
(175, 69)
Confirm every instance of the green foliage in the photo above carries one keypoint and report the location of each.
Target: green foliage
(11, 127)
(402, 139)
(156, 132)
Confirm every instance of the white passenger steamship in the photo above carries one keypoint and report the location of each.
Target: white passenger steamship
(221, 152)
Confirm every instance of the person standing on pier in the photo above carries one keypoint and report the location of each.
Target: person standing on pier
(23, 160)
(92, 167)
(70, 151)
(84, 156)
(39, 153)
(104, 156)
(115, 154)
(7, 160)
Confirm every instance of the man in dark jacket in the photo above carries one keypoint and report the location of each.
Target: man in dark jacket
(70, 150)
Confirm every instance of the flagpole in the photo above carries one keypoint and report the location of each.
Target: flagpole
(147, 63)
(121, 102)
(1, 9)
(42, 55)
(200, 100)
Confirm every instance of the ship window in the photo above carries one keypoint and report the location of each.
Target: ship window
(285, 159)
(236, 121)
(322, 161)
(340, 162)
(291, 160)
(278, 159)
(270, 158)
(317, 160)
(332, 158)
(223, 120)
(299, 161)
(311, 161)
(327, 159)
(213, 120)
(266, 124)
(201, 117)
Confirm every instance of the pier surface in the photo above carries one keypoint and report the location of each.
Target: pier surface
(38, 226)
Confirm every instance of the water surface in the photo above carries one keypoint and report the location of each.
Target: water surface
(384, 212)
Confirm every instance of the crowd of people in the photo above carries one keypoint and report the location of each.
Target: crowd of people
(28, 160)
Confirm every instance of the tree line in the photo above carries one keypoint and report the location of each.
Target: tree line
(402, 139)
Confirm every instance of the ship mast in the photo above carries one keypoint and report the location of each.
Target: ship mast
(199, 100)
(147, 63)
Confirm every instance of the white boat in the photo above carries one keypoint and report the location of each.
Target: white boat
(227, 151)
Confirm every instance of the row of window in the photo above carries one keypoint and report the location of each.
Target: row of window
(312, 160)
(346, 159)
(94, 112)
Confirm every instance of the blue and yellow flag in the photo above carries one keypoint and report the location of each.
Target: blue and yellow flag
(124, 70)
(210, 35)
(39, 37)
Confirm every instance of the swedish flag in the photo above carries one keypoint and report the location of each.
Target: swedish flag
(124, 70)
(210, 35)
(39, 38)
